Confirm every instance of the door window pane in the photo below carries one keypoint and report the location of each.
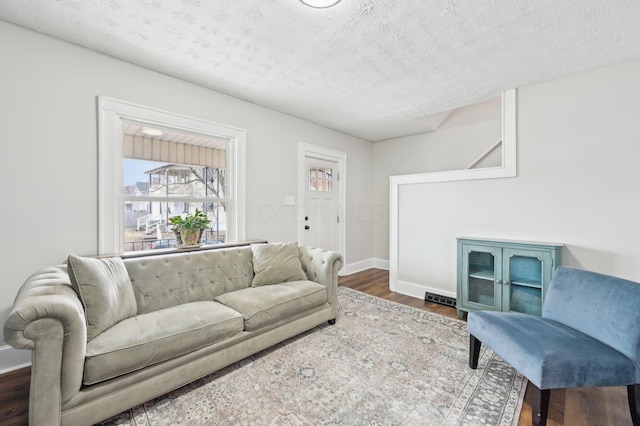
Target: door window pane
(320, 179)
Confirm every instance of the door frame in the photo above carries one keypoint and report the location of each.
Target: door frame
(308, 150)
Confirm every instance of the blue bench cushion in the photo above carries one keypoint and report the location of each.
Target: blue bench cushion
(550, 354)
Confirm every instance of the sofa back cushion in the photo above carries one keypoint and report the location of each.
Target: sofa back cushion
(276, 263)
(104, 289)
(601, 306)
(172, 279)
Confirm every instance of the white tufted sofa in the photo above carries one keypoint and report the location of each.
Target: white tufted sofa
(195, 312)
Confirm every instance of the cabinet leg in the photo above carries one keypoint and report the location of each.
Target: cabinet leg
(460, 314)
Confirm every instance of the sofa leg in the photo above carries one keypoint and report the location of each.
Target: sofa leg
(633, 393)
(539, 405)
(332, 321)
(474, 351)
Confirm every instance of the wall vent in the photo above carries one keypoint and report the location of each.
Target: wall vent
(441, 300)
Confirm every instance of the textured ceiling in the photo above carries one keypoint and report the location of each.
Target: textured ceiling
(376, 69)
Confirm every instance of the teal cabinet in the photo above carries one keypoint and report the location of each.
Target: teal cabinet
(504, 275)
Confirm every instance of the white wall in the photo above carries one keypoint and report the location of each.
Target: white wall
(578, 184)
(464, 136)
(48, 164)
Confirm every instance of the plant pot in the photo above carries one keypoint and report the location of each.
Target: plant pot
(191, 237)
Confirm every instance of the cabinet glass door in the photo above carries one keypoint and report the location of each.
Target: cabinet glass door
(526, 275)
(481, 266)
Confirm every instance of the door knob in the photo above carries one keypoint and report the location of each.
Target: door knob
(306, 227)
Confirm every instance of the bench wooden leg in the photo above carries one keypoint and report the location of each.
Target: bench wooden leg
(474, 351)
(633, 393)
(539, 405)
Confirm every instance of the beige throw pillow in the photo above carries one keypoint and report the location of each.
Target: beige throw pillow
(276, 263)
(105, 290)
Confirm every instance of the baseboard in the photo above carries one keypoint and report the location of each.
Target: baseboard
(381, 263)
(13, 359)
(418, 290)
(363, 265)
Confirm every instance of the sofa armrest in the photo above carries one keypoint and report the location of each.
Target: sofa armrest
(48, 318)
(322, 266)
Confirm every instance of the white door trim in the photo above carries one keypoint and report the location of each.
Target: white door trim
(307, 150)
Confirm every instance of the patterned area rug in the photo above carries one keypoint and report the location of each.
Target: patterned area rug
(381, 364)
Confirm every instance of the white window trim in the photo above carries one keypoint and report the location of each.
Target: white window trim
(111, 114)
(507, 169)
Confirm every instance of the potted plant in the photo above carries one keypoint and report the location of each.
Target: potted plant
(189, 229)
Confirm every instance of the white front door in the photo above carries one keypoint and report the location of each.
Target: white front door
(320, 221)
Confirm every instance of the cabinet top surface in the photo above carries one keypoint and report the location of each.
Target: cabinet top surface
(503, 241)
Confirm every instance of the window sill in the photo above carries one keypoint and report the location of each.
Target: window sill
(157, 252)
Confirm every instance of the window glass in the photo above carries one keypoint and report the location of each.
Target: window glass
(185, 187)
(320, 179)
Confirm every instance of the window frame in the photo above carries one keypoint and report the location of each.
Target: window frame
(112, 113)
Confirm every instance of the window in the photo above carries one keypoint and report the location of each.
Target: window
(155, 165)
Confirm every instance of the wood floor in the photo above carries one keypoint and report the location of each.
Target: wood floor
(574, 407)
(14, 397)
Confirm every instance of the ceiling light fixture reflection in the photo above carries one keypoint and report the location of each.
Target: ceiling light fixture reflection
(320, 4)
(151, 131)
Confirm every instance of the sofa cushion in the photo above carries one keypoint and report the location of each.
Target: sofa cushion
(154, 337)
(105, 290)
(276, 263)
(172, 279)
(262, 306)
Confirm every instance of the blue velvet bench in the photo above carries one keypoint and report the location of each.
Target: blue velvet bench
(588, 336)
